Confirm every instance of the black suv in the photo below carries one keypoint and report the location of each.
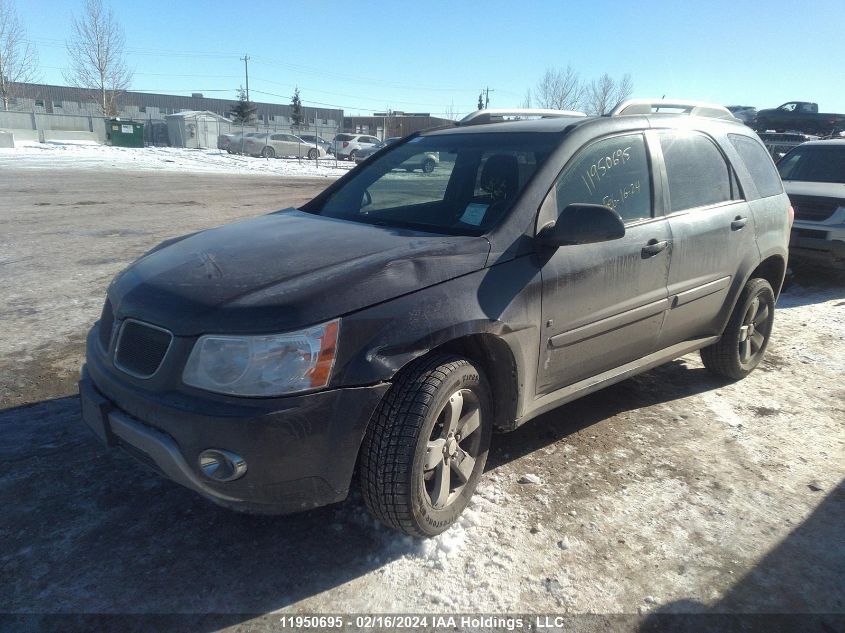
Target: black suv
(392, 323)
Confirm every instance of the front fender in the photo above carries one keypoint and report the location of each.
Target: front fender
(502, 301)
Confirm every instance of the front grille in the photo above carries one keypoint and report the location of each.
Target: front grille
(141, 348)
(814, 208)
(106, 325)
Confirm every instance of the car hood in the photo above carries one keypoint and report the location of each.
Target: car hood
(821, 189)
(283, 271)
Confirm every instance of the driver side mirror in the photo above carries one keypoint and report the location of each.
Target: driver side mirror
(583, 224)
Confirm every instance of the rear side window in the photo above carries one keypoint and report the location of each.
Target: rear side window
(613, 172)
(344, 137)
(759, 164)
(697, 171)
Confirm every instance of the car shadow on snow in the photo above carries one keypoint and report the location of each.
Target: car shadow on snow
(797, 586)
(669, 382)
(812, 284)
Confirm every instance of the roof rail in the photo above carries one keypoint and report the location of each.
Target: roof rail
(497, 115)
(672, 106)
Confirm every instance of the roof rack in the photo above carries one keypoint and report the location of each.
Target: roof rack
(672, 106)
(497, 115)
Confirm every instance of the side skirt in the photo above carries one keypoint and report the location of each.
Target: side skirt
(589, 385)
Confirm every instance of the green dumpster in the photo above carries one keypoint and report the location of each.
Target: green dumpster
(125, 133)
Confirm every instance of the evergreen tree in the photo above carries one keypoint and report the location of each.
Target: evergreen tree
(296, 115)
(243, 113)
(481, 101)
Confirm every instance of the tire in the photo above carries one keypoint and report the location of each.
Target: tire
(352, 155)
(406, 481)
(745, 339)
(428, 166)
(268, 152)
(313, 154)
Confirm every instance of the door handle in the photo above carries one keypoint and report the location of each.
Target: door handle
(738, 223)
(654, 247)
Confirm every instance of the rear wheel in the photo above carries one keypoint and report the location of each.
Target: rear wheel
(428, 165)
(744, 341)
(426, 446)
(268, 152)
(353, 154)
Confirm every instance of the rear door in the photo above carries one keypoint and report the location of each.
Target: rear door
(603, 304)
(712, 231)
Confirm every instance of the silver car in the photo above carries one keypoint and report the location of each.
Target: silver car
(426, 161)
(278, 144)
(347, 146)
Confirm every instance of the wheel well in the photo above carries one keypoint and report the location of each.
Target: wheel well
(495, 359)
(772, 269)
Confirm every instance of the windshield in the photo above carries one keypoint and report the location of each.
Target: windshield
(814, 163)
(460, 184)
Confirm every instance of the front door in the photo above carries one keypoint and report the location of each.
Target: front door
(604, 304)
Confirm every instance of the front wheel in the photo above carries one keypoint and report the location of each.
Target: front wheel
(428, 166)
(313, 154)
(426, 446)
(744, 341)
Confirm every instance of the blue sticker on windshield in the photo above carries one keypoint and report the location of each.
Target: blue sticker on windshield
(474, 213)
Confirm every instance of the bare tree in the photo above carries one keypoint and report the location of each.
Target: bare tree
(526, 102)
(96, 56)
(559, 89)
(624, 89)
(451, 112)
(605, 92)
(18, 59)
(599, 95)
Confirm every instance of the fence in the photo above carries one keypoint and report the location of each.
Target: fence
(175, 131)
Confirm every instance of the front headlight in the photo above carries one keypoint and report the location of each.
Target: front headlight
(267, 365)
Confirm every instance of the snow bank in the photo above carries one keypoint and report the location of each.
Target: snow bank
(81, 155)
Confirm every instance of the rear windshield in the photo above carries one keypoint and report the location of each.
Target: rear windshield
(814, 163)
(461, 184)
(344, 137)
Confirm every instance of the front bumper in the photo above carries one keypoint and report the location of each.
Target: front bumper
(300, 451)
(818, 243)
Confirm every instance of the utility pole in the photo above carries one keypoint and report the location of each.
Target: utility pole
(487, 97)
(245, 60)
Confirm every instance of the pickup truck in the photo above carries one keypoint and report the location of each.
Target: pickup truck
(799, 116)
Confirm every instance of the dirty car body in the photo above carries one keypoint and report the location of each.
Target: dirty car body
(391, 274)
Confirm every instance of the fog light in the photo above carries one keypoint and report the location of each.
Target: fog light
(221, 465)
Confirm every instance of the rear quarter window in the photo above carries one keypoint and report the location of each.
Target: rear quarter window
(759, 165)
(697, 172)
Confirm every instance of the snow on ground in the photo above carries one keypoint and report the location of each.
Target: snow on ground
(87, 155)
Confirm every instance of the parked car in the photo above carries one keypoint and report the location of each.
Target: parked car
(277, 145)
(347, 146)
(746, 114)
(392, 322)
(424, 162)
(313, 139)
(814, 176)
(234, 141)
(799, 116)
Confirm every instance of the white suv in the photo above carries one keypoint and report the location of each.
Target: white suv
(814, 178)
(346, 146)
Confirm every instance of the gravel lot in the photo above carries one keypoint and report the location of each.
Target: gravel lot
(670, 492)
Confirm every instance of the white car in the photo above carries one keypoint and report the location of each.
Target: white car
(347, 146)
(813, 175)
(279, 144)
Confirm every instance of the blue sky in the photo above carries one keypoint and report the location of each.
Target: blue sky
(428, 56)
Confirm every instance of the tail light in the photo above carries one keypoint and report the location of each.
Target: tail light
(345, 143)
(791, 214)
